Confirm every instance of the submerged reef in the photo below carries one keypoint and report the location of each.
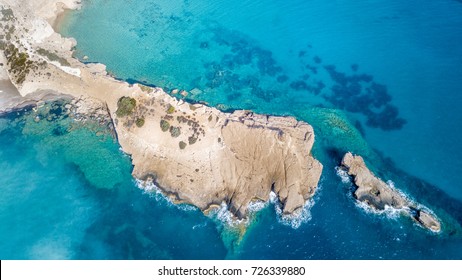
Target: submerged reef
(245, 71)
(360, 94)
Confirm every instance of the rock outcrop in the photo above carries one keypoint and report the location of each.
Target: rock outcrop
(202, 156)
(379, 195)
(196, 154)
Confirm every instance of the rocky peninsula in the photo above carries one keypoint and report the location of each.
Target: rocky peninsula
(379, 195)
(194, 153)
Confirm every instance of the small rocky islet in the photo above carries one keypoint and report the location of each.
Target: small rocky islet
(378, 195)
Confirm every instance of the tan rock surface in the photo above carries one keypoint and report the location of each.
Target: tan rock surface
(378, 195)
(203, 157)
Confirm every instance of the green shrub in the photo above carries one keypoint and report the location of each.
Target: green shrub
(192, 140)
(53, 57)
(182, 145)
(170, 109)
(125, 106)
(175, 131)
(164, 125)
(139, 122)
(19, 63)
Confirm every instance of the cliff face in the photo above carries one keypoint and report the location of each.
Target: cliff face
(203, 156)
(378, 195)
(195, 153)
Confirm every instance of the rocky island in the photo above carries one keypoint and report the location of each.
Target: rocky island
(379, 195)
(194, 153)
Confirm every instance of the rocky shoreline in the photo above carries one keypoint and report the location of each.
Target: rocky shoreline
(196, 154)
(378, 195)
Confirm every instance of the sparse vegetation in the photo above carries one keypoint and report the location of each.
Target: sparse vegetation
(182, 145)
(139, 122)
(19, 62)
(192, 140)
(145, 88)
(125, 106)
(192, 107)
(53, 57)
(175, 131)
(170, 109)
(164, 125)
(7, 14)
(210, 118)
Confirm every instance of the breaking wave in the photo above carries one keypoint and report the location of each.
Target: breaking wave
(222, 213)
(155, 192)
(225, 216)
(343, 174)
(296, 219)
(389, 212)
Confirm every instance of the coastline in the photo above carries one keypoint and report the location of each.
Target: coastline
(159, 222)
(196, 154)
(60, 19)
(221, 140)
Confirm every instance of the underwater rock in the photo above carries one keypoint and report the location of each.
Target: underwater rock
(317, 59)
(299, 85)
(360, 94)
(379, 195)
(282, 78)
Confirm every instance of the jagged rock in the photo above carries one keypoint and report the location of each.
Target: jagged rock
(256, 154)
(428, 221)
(377, 194)
(235, 158)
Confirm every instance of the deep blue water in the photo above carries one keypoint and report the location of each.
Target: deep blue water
(379, 78)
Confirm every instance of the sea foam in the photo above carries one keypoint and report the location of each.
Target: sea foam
(343, 174)
(155, 192)
(222, 213)
(296, 219)
(388, 211)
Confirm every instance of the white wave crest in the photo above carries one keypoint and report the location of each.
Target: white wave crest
(389, 212)
(391, 184)
(297, 218)
(225, 216)
(343, 174)
(155, 192)
(222, 213)
(256, 206)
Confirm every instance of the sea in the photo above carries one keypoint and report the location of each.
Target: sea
(379, 78)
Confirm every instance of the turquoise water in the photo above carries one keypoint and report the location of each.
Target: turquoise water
(271, 56)
(379, 78)
(69, 194)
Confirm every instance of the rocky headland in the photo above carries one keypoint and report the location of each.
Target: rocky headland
(194, 153)
(379, 195)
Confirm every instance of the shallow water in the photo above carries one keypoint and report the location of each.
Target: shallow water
(270, 56)
(55, 206)
(70, 195)
(377, 78)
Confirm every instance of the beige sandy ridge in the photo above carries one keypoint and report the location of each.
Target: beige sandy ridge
(204, 157)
